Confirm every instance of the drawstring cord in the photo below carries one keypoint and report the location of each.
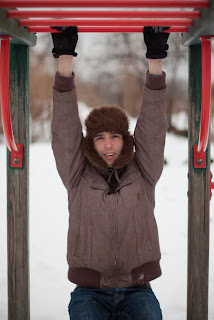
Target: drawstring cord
(110, 172)
(117, 177)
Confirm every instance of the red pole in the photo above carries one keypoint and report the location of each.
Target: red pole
(16, 158)
(105, 29)
(103, 14)
(122, 22)
(4, 92)
(105, 3)
(206, 94)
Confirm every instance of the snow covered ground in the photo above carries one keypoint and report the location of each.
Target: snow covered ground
(50, 289)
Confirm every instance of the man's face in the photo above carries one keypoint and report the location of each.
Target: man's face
(109, 146)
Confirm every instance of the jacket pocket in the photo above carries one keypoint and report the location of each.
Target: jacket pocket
(147, 237)
(101, 240)
(82, 251)
(134, 244)
(93, 249)
(79, 238)
(142, 230)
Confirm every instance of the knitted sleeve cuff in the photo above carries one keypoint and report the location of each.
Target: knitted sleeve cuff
(64, 84)
(155, 82)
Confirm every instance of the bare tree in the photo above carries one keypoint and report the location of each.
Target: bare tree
(123, 63)
(110, 69)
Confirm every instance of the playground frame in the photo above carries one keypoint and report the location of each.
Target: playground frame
(197, 28)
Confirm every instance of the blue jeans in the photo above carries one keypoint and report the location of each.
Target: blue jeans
(131, 303)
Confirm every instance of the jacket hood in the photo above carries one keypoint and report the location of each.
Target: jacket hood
(108, 118)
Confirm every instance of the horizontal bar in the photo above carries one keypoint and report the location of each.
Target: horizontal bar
(106, 29)
(122, 22)
(103, 14)
(105, 3)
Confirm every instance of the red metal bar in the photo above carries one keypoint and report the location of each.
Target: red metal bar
(16, 150)
(122, 22)
(103, 14)
(5, 94)
(206, 94)
(105, 29)
(105, 3)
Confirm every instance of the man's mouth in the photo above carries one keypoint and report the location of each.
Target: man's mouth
(109, 155)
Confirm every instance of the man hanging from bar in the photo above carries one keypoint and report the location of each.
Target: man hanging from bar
(113, 247)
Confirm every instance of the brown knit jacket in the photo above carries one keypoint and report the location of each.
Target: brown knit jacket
(112, 237)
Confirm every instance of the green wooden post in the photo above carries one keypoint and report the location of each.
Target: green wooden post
(18, 189)
(199, 184)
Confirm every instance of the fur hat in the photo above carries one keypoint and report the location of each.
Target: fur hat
(109, 118)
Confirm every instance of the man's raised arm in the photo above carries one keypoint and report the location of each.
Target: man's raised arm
(65, 65)
(155, 67)
(152, 125)
(66, 127)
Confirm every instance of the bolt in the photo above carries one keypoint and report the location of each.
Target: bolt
(16, 161)
(199, 162)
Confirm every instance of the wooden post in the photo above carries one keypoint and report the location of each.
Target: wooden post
(199, 193)
(18, 189)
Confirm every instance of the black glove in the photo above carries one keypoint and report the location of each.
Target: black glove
(156, 42)
(65, 42)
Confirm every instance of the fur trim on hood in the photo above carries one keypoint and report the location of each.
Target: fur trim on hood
(109, 118)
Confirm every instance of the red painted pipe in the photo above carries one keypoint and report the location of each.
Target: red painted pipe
(105, 29)
(205, 95)
(105, 3)
(122, 22)
(103, 14)
(4, 92)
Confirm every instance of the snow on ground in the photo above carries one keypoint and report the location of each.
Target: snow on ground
(50, 289)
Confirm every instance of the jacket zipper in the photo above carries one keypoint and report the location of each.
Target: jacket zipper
(115, 244)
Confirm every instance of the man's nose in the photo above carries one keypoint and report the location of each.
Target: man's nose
(108, 143)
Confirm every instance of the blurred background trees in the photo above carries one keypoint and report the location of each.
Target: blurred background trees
(110, 69)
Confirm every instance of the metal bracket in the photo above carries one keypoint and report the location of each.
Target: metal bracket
(16, 159)
(199, 158)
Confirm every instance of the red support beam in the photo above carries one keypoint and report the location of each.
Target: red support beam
(5, 93)
(105, 3)
(103, 14)
(205, 94)
(15, 149)
(105, 29)
(122, 22)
